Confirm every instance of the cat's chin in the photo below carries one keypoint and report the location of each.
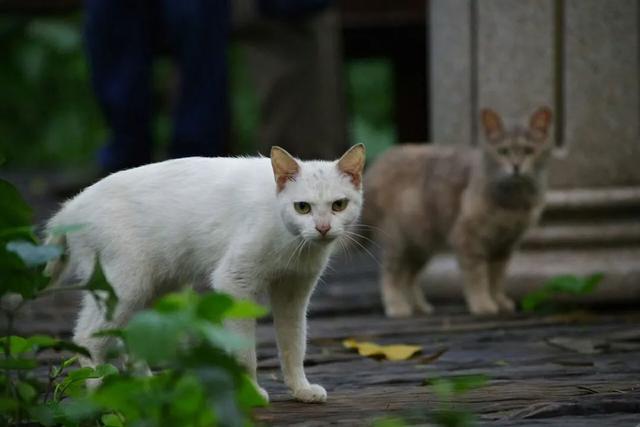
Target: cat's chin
(322, 241)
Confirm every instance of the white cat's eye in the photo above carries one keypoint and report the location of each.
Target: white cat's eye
(302, 208)
(503, 151)
(340, 205)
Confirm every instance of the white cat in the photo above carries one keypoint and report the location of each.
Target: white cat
(223, 222)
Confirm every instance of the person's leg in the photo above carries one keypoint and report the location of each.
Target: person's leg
(297, 69)
(119, 52)
(198, 32)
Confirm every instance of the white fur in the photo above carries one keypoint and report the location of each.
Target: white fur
(213, 221)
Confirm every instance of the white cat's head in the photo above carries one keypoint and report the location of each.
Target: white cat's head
(318, 200)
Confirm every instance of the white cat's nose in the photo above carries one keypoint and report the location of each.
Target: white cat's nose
(323, 228)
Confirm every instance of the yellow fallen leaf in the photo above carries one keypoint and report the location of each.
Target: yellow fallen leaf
(389, 352)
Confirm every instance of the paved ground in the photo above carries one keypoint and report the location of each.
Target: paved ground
(580, 368)
(572, 369)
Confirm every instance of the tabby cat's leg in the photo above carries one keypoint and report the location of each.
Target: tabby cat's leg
(497, 270)
(416, 294)
(475, 273)
(398, 277)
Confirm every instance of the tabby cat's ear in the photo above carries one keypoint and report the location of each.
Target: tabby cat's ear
(352, 163)
(539, 124)
(285, 167)
(492, 125)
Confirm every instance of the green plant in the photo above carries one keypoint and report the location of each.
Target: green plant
(542, 299)
(448, 415)
(198, 382)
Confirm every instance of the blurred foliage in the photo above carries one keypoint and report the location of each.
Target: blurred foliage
(370, 89)
(448, 414)
(49, 117)
(545, 299)
(199, 382)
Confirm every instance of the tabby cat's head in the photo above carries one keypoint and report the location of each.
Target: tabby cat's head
(516, 153)
(318, 200)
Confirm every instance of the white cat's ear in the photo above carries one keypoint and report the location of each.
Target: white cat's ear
(285, 167)
(492, 125)
(539, 123)
(352, 163)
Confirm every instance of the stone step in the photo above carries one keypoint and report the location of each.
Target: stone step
(593, 198)
(605, 233)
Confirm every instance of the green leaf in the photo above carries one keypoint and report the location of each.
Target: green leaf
(24, 232)
(34, 255)
(21, 345)
(213, 306)
(222, 338)
(535, 299)
(453, 418)
(45, 414)
(17, 345)
(77, 410)
(58, 370)
(565, 284)
(247, 394)
(447, 387)
(111, 420)
(102, 291)
(154, 337)
(178, 301)
(7, 404)
(76, 380)
(26, 391)
(244, 309)
(105, 370)
(18, 363)
(389, 422)
(14, 211)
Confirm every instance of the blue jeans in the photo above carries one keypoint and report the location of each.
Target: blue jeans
(122, 38)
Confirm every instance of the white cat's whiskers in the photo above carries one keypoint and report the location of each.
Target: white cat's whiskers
(345, 248)
(362, 236)
(370, 227)
(367, 251)
(298, 247)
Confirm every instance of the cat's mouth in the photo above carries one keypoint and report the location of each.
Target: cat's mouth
(322, 240)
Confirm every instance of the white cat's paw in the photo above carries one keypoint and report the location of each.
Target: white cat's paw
(313, 393)
(505, 304)
(483, 307)
(262, 392)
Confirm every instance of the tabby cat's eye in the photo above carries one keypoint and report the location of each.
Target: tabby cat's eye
(503, 151)
(302, 208)
(527, 151)
(339, 205)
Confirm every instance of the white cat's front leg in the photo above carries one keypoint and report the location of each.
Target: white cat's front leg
(289, 305)
(245, 328)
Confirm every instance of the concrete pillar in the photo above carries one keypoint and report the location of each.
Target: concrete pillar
(601, 95)
(450, 61)
(515, 56)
